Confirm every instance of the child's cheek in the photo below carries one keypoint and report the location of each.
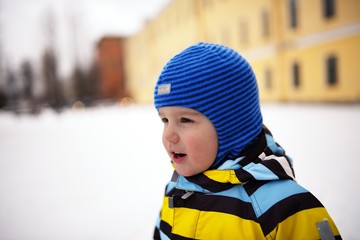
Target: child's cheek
(191, 142)
(195, 145)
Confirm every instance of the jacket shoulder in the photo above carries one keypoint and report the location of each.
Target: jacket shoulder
(284, 204)
(281, 193)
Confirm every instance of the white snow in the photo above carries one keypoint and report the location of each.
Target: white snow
(100, 173)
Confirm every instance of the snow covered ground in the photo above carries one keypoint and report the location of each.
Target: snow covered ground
(100, 173)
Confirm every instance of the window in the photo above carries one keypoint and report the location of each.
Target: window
(265, 23)
(328, 8)
(331, 70)
(293, 13)
(296, 75)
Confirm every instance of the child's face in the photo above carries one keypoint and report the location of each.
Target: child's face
(189, 138)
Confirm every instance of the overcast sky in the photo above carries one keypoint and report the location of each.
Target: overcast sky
(79, 24)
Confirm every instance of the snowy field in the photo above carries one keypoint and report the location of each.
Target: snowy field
(100, 173)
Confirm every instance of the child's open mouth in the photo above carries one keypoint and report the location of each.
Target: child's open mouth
(178, 157)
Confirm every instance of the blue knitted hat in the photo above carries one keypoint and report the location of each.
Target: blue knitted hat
(216, 81)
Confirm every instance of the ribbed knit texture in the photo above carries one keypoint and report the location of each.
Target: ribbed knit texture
(218, 82)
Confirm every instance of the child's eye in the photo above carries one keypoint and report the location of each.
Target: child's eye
(164, 120)
(185, 120)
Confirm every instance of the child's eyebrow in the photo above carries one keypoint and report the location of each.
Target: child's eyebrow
(188, 113)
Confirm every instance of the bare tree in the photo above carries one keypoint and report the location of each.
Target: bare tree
(28, 79)
(52, 84)
(53, 90)
(79, 81)
(93, 81)
(12, 89)
(84, 79)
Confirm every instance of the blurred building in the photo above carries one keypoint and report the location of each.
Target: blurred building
(301, 50)
(110, 66)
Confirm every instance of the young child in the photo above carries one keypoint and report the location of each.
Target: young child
(231, 179)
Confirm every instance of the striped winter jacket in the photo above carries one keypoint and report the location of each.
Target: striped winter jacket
(252, 197)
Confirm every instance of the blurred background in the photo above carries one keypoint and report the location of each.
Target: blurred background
(80, 143)
(60, 53)
(57, 53)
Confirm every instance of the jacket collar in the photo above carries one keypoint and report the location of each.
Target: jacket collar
(264, 160)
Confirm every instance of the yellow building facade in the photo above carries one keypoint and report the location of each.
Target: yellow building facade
(300, 50)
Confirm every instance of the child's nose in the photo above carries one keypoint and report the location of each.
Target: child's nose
(171, 135)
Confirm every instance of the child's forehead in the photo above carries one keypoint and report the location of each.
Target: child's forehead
(178, 110)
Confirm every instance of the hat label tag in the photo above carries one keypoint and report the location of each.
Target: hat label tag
(164, 89)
